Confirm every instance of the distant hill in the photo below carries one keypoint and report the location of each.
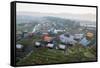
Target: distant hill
(38, 21)
(86, 17)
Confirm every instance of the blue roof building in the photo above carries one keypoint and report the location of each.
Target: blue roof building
(84, 42)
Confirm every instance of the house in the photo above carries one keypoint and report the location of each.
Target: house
(89, 35)
(88, 39)
(84, 41)
(62, 46)
(30, 34)
(37, 44)
(78, 36)
(58, 30)
(18, 35)
(25, 34)
(50, 45)
(67, 39)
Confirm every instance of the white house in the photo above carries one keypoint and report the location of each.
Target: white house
(19, 46)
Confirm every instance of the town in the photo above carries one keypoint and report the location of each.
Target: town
(55, 40)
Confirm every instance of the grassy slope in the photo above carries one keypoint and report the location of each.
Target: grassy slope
(47, 56)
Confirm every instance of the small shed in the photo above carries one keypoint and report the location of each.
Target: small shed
(61, 46)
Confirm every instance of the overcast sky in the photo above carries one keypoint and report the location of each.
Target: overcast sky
(25, 7)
